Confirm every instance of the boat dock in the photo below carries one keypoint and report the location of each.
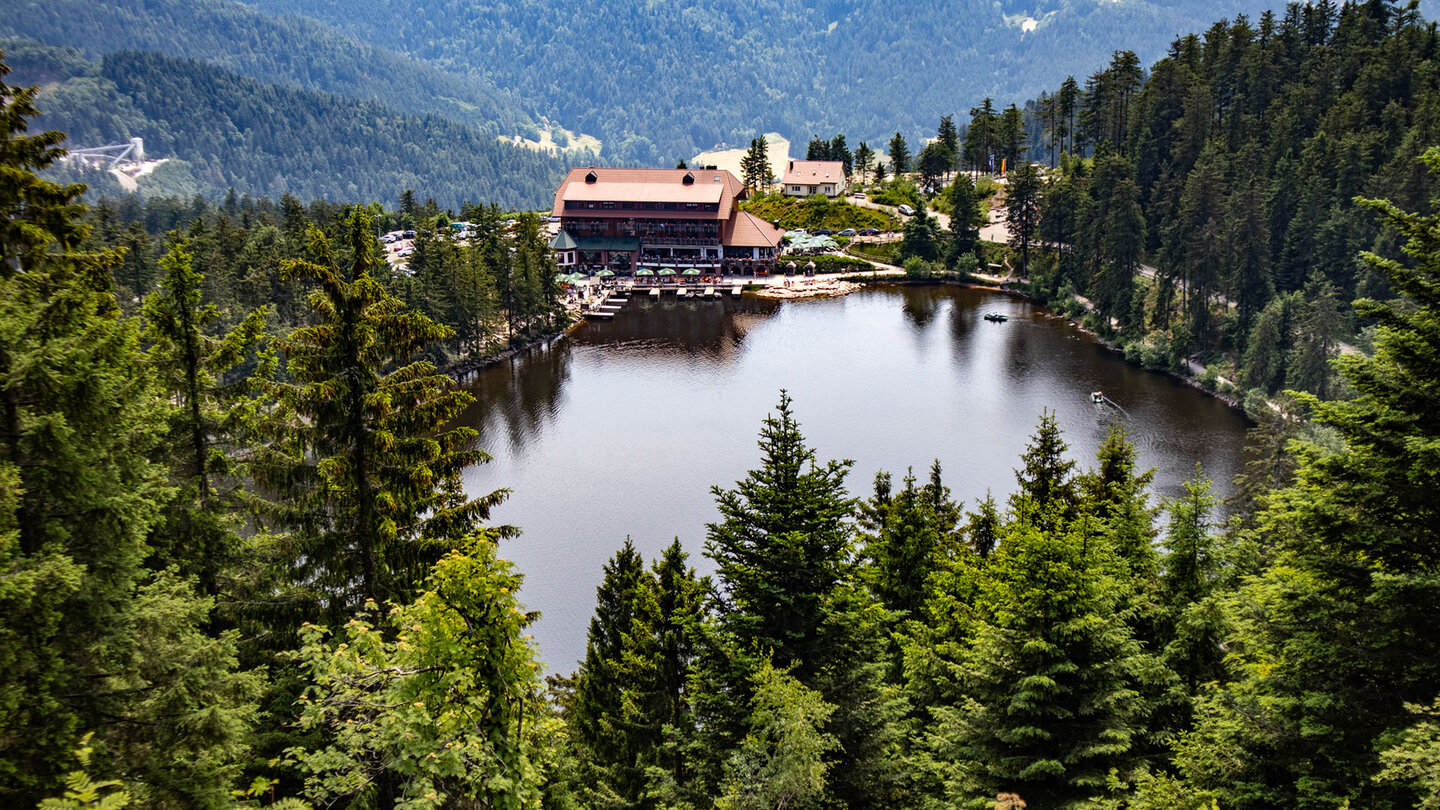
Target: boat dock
(614, 298)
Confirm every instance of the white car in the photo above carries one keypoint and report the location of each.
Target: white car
(905, 209)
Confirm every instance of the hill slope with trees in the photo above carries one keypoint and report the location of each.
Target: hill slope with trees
(275, 49)
(656, 84)
(235, 132)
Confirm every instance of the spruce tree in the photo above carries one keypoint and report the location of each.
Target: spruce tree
(367, 471)
(1051, 676)
(216, 415)
(1047, 495)
(1022, 211)
(1332, 639)
(782, 546)
(92, 642)
(899, 156)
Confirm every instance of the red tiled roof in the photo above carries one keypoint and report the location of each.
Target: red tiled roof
(814, 172)
(748, 230)
(649, 185)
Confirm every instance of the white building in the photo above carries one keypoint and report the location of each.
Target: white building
(806, 177)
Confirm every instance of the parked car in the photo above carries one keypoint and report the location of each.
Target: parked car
(859, 195)
(904, 208)
(869, 232)
(822, 232)
(387, 239)
(408, 234)
(847, 232)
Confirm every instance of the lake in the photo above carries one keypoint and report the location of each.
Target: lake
(621, 428)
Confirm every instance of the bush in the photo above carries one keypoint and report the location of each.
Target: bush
(827, 264)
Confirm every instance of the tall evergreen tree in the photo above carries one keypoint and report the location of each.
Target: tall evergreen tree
(93, 640)
(899, 155)
(782, 546)
(1354, 552)
(215, 417)
(367, 473)
(1022, 211)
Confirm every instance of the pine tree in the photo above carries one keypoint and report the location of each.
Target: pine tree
(1022, 211)
(215, 417)
(899, 156)
(864, 156)
(755, 166)
(368, 474)
(91, 642)
(1051, 677)
(1047, 495)
(948, 136)
(783, 546)
(1331, 639)
(598, 716)
(907, 535)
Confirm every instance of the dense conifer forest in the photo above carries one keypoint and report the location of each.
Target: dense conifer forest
(238, 567)
(228, 131)
(732, 71)
(284, 50)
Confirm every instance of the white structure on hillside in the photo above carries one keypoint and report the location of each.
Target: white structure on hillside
(806, 177)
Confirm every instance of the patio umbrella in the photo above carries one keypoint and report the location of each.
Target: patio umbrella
(690, 272)
(665, 271)
(643, 272)
(606, 274)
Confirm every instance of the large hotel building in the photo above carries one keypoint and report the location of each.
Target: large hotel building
(627, 219)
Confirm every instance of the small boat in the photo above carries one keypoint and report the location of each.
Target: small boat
(996, 317)
(1097, 397)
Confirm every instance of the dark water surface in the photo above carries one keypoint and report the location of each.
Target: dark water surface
(622, 427)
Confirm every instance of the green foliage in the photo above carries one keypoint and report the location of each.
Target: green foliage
(782, 762)
(782, 546)
(366, 470)
(432, 713)
(814, 212)
(1415, 758)
(84, 793)
(98, 636)
(134, 94)
(1349, 582)
(210, 422)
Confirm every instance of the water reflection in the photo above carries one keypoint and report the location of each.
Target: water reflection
(621, 428)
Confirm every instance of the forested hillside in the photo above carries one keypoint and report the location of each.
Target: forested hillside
(658, 83)
(235, 132)
(1216, 215)
(274, 49)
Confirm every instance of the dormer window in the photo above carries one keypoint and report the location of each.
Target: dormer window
(688, 179)
(592, 177)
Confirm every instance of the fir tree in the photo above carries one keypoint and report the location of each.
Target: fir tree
(899, 156)
(91, 642)
(368, 473)
(215, 417)
(783, 545)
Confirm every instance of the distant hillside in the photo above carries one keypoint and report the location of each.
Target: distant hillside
(283, 50)
(658, 82)
(232, 131)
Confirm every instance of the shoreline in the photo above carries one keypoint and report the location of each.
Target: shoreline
(838, 286)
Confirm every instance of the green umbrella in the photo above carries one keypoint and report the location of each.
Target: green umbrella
(606, 273)
(690, 272)
(643, 272)
(665, 271)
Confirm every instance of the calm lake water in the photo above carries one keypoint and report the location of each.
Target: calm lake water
(621, 428)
